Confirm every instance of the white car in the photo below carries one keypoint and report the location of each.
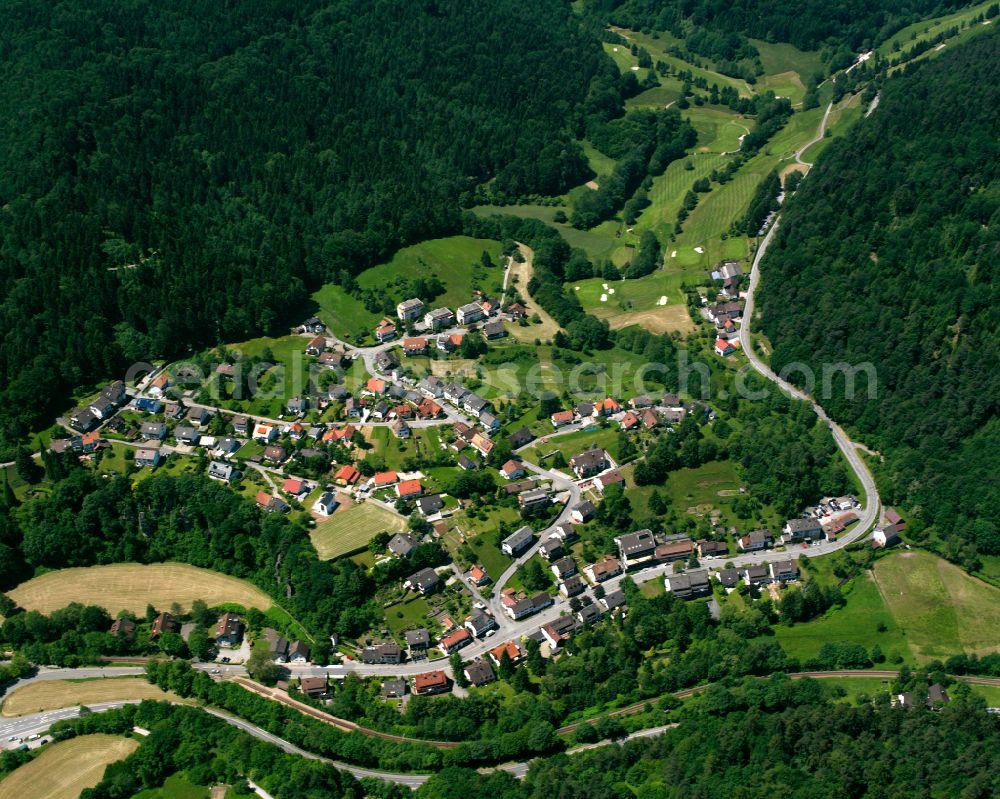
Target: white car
(490, 634)
(480, 605)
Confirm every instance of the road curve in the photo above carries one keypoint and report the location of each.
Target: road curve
(872, 508)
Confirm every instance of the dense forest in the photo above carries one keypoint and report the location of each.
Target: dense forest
(773, 738)
(889, 254)
(178, 174)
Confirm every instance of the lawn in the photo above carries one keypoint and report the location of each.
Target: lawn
(940, 608)
(857, 623)
(271, 389)
(787, 69)
(405, 615)
(453, 260)
(176, 786)
(133, 586)
(396, 450)
(63, 770)
(342, 313)
(351, 529)
(573, 444)
(45, 695)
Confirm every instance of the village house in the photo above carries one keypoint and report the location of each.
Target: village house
(604, 569)
(294, 487)
(885, 536)
(153, 431)
(147, 457)
(630, 422)
(783, 571)
(270, 503)
(803, 529)
(613, 600)
(428, 506)
(527, 606)
(382, 654)
(561, 418)
(414, 346)
(572, 586)
(385, 331)
(417, 643)
(755, 540)
(482, 444)
(590, 462)
(563, 568)
(314, 687)
(408, 310)
(681, 548)
(275, 453)
(559, 631)
(316, 345)
(229, 630)
(533, 498)
(552, 548)
(385, 479)
(122, 628)
(439, 318)
(688, 585)
(265, 433)
(433, 682)
(635, 548)
(402, 545)
(478, 576)
(512, 470)
(455, 640)
(479, 623)
(756, 575)
(518, 541)
(583, 512)
(469, 313)
(408, 489)
(607, 479)
(394, 688)
(479, 672)
(520, 438)
(710, 549)
(423, 581)
(509, 648)
(494, 330)
(724, 347)
(163, 623)
(326, 504)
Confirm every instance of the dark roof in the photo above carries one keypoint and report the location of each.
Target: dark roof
(479, 672)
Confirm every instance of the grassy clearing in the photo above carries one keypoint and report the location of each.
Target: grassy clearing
(787, 69)
(573, 444)
(450, 259)
(857, 623)
(929, 28)
(941, 609)
(133, 586)
(343, 314)
(45, 695)
(63, 770)
(176, 786)
(352, 528)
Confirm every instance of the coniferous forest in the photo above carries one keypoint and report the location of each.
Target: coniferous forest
(888, 254)
(236, 154)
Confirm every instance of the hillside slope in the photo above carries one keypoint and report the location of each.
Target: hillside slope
(889, 253)
(176, 174)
